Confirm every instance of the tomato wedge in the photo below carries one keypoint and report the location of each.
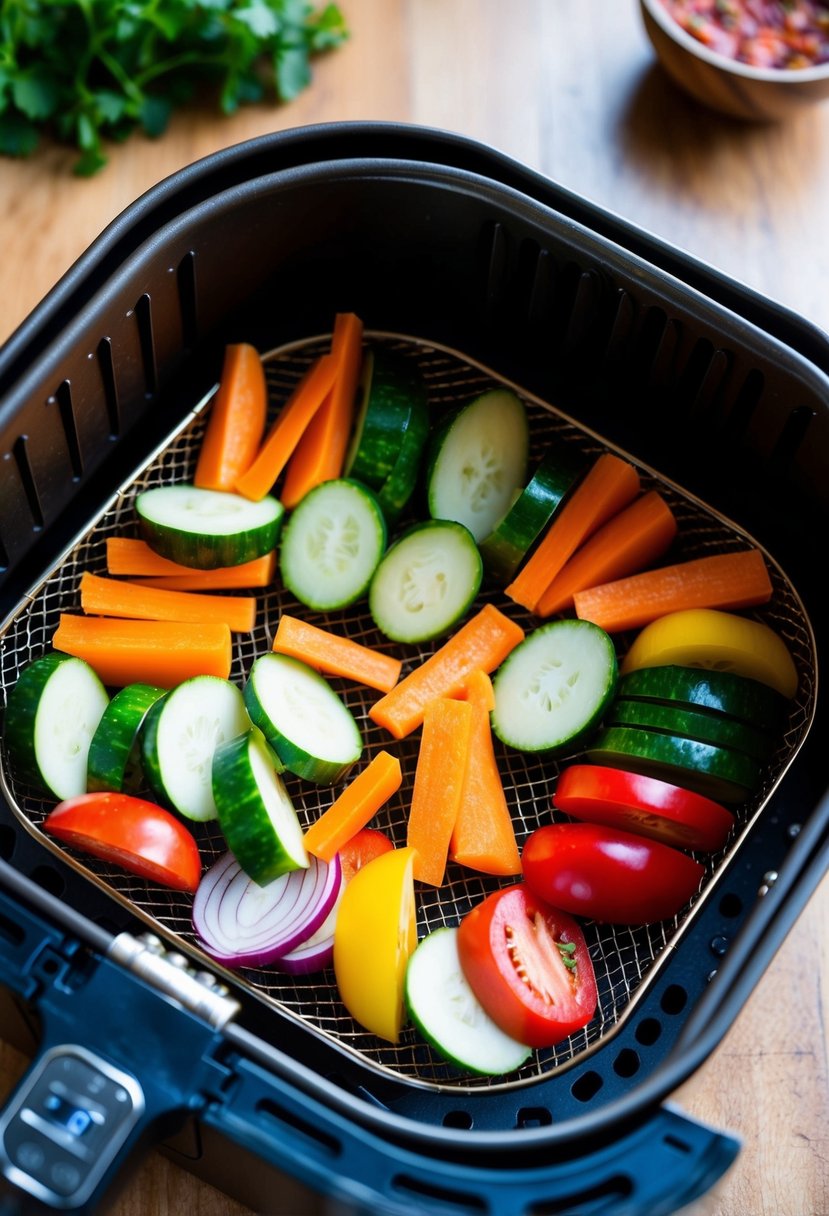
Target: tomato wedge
(362, 848)
(529, 966)
(644, 805)
(132, 833)
(608, 875)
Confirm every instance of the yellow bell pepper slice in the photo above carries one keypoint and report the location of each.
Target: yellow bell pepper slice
(374, 935)
(719, 641)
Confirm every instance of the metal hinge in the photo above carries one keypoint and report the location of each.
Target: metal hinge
(171, 973)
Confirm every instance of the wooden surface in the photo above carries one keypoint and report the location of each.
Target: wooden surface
(571, 89)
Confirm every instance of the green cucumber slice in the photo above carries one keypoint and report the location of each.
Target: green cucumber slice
(553, 689)
(52, 713)
(505, 548)
(477, 462)
(114, 761)
(716, 772)
(425, 582)
(332, 544)
(448, 1015)
(702, 725)
(207, 528)
(734, 695)
(311, 730)
(392, 397)
(180, 735)
(256, 815)
(396, 492)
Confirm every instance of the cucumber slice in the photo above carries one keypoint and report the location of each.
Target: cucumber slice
(180, 734)
(425, 582)
(505, 548)
(207, 528)
(52, 713)
(736, 696)
(114, 761)
(704, 726)
(477, 462)
(396, 492)
(444, 1009)
(332, 544)
(311, 730)
(256, 815)
(392, 395)
(553, 689)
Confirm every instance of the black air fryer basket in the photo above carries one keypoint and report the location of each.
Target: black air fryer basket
(485, 274)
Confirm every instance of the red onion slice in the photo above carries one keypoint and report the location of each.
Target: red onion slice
(241, 924)
(316, 952)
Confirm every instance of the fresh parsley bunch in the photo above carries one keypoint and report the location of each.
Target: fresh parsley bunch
(86, 71)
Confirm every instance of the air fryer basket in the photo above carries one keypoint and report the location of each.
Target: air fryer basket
(481, 284)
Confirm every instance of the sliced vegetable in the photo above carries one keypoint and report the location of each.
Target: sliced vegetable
(396, 492)
(129, 556)
(392, 402)
(442, 760)
(645, 805)
(721, 580)
(207, 528)
(255, 812)
(236, 422)
(529, 966)
(316, 952)
(334, 655)
(362, 848)
(374, 936)
(724, 692)
(706, 726)
(722, 641)
(357, 804)
(153, 652)
(180, 735)
(311, 730)
(52, 714)
(477, 461)
(115, 597)
(332, 544)
(609, 485)
(445, 1010)
(241, 924)
(608, 875)
(553, 689)
(483, 642)
(131, 833)
(114, 759)
(631, 540)
(425, 582)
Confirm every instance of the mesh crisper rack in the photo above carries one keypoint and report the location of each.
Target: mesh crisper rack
(626, 959)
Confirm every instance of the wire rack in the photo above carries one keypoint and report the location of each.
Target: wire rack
(625, 958)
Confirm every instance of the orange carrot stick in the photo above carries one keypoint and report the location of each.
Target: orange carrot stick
(484, 641)
(284, 435)
(236, 422)
(128, 556)
(334, 655)
(722, 580)
(355, 806)
(150, 652)
(626, 544)
(608, 486)
(441, 764)
(114, 597)
(483, 837)
(320, 453)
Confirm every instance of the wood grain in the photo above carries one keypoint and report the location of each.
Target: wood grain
(570, 88)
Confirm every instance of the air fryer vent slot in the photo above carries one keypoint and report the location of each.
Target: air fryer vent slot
(187, 299)
(144, 319)
(108, 386)
(63, 400)
(27, 479)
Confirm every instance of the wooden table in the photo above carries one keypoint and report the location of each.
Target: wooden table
(570, 88)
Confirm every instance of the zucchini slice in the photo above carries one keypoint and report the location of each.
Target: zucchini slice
(114, 761)
(725, 692)
(704, 726)
(207, 528)
(392, 399)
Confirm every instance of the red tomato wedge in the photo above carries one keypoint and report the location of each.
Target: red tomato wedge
(132, 833)
(363, 846)
(644, 805)
(607, 875)
(529, 966)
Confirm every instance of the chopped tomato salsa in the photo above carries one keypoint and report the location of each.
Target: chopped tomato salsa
(787, 34)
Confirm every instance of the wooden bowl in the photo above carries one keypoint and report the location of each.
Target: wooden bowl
(758, 94)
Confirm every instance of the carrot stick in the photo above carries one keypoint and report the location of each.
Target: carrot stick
(128, 556)
(484, 641)
(355, 806)
(441, 763)
(236, 422)
(722, 580)
(628, 542)
(483, 837)
(334, 655)
(150, 652)
(114, 597)
(320, 453)
(608, 486)
(284, 435)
